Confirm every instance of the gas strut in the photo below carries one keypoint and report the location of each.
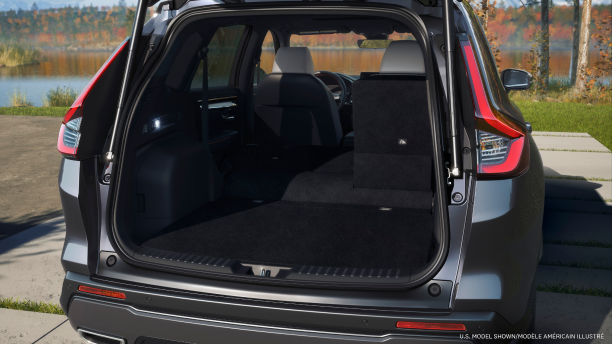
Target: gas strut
(449, 44)
(141, 12)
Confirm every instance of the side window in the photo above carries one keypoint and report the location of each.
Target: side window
(498, 92)
(221, 55)
(266, 59)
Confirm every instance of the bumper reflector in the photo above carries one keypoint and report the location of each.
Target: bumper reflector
(102, 292)
(430, 326)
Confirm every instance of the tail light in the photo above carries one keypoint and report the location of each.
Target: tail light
(430, 326)
(502, 147)
(70, 131)
(103, 292)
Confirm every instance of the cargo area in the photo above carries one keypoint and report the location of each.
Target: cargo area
(315, 177)
(296, 205)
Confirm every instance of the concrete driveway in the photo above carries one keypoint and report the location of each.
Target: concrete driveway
(28, 172)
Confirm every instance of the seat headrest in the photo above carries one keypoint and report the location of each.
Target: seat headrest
(296, 60)
(403, 57)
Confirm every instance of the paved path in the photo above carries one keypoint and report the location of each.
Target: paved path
(30, 266)
(580, 143)
(28, 327)
(595, 256)
(578, 190)
(573, 314)
(580, 164)
(28, 172)
(575, 210)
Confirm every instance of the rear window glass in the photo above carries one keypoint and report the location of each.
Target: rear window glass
(266, 60)
(339, 52)
(222, 51)
(267, 53)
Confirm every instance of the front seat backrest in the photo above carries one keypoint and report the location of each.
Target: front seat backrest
(393, 146)
(292, 106)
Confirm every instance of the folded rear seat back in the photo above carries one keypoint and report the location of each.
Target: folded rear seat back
(393, 144)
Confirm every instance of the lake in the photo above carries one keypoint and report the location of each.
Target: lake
(75, 68)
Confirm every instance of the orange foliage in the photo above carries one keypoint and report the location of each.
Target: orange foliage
(61, 38)
(502, 31)
(119, 31)
(560, 32)
(528, 32)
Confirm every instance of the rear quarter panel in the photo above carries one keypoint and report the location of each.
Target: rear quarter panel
(504, 244)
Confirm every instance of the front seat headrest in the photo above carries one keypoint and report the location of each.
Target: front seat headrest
(403, 57)
(295, 60)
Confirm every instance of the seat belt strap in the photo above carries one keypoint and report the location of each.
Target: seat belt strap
(257, 70)
(203, 54)
(251, 100)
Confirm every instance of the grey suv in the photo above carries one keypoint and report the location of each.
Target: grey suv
(218, 188)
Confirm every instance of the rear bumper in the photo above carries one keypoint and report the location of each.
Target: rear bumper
(131, 324)
(150, 312)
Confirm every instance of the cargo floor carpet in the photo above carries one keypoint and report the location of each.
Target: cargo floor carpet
(296, 233)
(296, 205)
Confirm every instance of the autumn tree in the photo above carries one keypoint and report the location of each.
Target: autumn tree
(485, 9)
(583, 48)
(545, 57)
(575, 40)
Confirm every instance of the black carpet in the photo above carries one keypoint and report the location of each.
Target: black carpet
(295, 233)
(308, 174)
(296, 205)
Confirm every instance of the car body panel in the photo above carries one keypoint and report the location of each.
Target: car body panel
(130, 323)
(416, 298)
(495, 241)
(142, 302)
(505, 242)
(74, 252)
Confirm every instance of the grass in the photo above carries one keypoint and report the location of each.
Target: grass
(568, 289)
(19, 98)
(590, 243)
(596, 120)
(60, 96)
(575, 264)
(32, 306)
(15, 55)
(34, 111)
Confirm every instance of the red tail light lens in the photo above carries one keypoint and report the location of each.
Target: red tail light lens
(430, 326)
(102, 292)
(70, 131)
(503, 149)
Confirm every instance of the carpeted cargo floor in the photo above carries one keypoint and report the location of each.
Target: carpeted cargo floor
(297, 206)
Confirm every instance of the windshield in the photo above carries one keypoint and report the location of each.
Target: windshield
(339, 52)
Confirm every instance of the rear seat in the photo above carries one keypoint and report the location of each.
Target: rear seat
(392, 137)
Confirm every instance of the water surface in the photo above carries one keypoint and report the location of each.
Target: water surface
(59, 68)
(75, 68)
